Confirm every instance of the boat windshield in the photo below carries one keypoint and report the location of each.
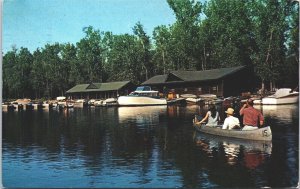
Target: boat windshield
(143, 88)
(154, 94)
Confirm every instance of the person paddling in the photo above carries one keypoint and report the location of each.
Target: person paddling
(212, 116)
(252, 118)
(230, 121)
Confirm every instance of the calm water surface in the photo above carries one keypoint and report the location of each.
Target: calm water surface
(143, 147)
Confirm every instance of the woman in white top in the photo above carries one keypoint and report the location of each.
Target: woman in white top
(231, 122)
(212, 116)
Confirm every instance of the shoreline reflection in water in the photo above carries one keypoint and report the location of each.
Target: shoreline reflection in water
(153, 146)
(281, 112)
(141, 114)
(252, 153)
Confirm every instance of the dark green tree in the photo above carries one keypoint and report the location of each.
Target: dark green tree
(226, 34)
(125, 59)
(10, 89)
(70, 71)
(144, 41)
(38, 77)
(53, 67)
(185, 33)
(89, 53)
(161, 58)
(22, 72)
(269, 19)
(290, 71)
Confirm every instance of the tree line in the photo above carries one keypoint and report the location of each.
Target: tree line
(262, 34)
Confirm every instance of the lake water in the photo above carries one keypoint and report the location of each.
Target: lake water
(143, 147)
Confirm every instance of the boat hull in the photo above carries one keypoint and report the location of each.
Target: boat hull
(277, 101)
(140, 101)
(193, 100)
(281, 96)
(264, 134)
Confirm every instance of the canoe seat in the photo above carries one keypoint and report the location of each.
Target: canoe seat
(236, 127)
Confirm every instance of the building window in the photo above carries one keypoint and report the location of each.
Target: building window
(214, 88)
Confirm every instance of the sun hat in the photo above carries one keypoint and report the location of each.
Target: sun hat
(229, 111)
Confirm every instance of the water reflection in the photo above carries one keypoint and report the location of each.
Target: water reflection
(153, 146)
(141, 114)
(282, 112)
(253, 153)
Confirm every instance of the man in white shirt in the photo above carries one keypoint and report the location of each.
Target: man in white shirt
(231, 122)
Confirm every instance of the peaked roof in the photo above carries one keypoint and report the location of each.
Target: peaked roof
(184, 76)
(111, 86)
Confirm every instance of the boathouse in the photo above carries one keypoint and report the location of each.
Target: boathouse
(223, 82)
(100, 90)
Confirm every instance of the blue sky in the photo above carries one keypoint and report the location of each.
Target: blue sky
(33, 23)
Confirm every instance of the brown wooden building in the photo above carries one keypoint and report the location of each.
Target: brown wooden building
(222, 82)
(100, 90)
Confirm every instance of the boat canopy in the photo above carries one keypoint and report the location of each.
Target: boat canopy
(282, 92)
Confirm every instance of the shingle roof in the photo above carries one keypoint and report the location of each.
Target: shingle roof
(184, 76)
(156, 79)
(112, 86)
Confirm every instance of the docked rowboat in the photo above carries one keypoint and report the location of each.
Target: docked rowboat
(264, 133)
(208, 96)
(193, 100)
(188, 96)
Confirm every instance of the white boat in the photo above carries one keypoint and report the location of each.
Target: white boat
(98, 103)
(70, 105)
(109, 102)
(281, 96)
(188, 96)
(193, 100)
(60, 98)
(208, 96)
(142, 96)
(80, 101)
(91, 102)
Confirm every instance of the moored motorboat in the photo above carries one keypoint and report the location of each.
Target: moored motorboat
(281, 96)
(142, 96)
(264, 133)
